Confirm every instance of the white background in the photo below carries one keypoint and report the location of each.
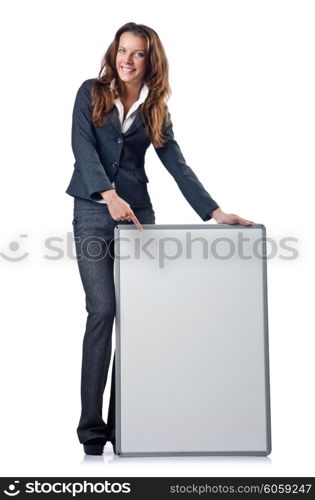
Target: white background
(242, 76)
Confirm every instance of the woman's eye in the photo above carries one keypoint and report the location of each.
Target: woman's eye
(140, 54)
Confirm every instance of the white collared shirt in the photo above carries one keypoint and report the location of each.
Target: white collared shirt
(125, 124)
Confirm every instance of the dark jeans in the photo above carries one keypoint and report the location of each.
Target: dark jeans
(93, 229)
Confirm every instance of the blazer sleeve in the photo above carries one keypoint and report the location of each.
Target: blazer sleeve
(189, 184)
(83, 143)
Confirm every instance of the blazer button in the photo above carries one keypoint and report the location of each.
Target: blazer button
(115, 164)
(119, 140)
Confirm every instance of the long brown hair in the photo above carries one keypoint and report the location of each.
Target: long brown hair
(154, 109)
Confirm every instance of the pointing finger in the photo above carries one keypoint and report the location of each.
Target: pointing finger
(136, 222)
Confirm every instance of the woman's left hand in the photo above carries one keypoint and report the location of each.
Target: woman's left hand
(222, 218)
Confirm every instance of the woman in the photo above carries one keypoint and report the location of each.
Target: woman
(115, 119)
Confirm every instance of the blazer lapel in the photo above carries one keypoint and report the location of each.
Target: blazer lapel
(137, 122)
(114, 120)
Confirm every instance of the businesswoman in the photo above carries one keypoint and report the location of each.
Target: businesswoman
(115, 119)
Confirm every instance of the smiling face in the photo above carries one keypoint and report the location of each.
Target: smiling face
(131, 59)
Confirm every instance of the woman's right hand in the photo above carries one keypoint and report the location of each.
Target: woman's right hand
(119, 209)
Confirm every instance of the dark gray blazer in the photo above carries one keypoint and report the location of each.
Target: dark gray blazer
(105, 154)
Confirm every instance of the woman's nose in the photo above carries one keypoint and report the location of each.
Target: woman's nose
(128, 59)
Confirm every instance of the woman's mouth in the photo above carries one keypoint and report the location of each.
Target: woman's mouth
(126, 70)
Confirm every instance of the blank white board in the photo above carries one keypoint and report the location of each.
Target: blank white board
(192, 364)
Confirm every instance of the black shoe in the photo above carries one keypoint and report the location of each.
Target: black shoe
(113, 441)
(94, 447)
